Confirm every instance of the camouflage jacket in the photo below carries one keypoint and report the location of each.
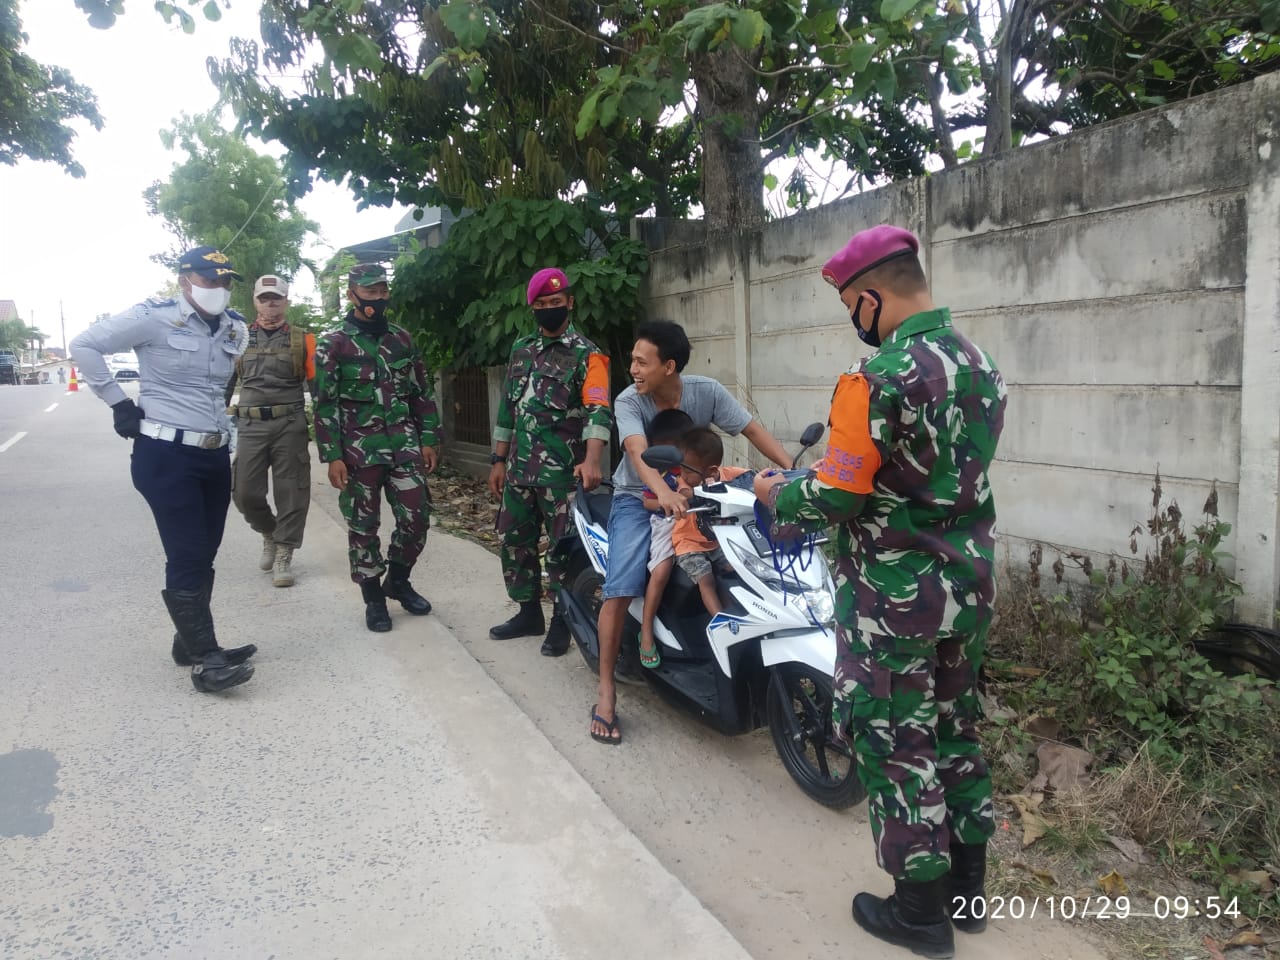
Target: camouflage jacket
(913, 434)
(373, 398)
(555, 397)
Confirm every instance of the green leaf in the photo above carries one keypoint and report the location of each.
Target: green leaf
(858, 56)
(467, 22)
(892, 10)
(587, 115)
(212, 11)
(770, 182)
(748, 29)
(1162, 70)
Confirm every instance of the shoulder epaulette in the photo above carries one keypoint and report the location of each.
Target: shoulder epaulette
(236, 316)
(158, 302)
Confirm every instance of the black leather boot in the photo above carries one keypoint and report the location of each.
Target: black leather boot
(557, 642)
(234, 655)
(397, 587)
(376, 617)
(915, 917)
(968, 880)
(528, 622)
(211, 671)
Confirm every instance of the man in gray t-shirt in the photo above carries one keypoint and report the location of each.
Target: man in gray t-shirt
(660, 354)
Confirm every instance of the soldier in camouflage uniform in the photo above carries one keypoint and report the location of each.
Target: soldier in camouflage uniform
(913, 434)
(378, 429)
(553, 423)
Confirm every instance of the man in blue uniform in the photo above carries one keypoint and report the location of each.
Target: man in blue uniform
(181, 464)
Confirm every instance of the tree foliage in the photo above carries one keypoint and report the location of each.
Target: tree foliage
(104, 13)
(226, 194)
(662, 103)
(38, 102)
(465, 299)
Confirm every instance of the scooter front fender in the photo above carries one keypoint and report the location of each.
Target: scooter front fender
(817, 648)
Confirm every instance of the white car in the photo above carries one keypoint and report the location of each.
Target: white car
(123, 366)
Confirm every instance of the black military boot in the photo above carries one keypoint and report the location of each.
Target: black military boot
(529, 622)
(397, 587)
(235, 655)
(557, 642)
(915, 917)
(968, 880)
(376, 617)
(211, 671)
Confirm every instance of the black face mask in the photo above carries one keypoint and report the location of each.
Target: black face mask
(871, 335)
(370, 314)
(551, 319)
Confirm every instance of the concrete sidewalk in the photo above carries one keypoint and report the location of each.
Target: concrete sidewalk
(363, 796)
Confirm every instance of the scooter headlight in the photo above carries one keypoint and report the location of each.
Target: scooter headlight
(814, 604)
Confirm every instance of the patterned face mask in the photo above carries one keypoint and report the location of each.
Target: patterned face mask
(870, 336)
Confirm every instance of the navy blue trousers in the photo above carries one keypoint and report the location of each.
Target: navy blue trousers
(188, 491)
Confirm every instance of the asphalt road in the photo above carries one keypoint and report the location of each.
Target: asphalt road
(424, 793)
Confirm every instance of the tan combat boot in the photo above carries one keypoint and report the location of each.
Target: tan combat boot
(283, 576)
(268, 558)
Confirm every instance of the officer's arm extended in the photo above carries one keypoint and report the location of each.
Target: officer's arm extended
(837, 487)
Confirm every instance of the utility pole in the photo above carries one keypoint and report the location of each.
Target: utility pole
(63, 317)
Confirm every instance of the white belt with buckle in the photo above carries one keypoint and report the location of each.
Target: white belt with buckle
(190, 438)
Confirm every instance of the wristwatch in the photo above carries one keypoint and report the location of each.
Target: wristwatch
(497, 458)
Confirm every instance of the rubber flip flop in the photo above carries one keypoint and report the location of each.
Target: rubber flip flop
(612, 726)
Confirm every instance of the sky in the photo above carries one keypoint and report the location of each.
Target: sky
(78, 248)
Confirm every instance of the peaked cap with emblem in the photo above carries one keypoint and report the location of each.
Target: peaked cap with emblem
(209, 262)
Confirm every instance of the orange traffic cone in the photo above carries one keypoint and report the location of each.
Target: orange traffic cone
(73, 385)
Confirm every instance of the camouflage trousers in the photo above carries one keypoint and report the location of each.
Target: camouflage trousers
(911, 707)
(361, 505)
(526, 512)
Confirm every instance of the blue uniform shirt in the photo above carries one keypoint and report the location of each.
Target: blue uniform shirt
(184, 369)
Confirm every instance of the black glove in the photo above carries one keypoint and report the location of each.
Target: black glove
(128, 416)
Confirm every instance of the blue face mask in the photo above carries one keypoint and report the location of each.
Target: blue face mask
(871, 335)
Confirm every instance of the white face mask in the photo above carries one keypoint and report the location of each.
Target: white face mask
(212, 300)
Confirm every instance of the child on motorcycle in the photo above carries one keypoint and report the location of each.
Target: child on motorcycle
(701, 452)
(700, 558)
(668, 427)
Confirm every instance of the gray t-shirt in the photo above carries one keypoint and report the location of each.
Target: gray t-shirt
(705, 400)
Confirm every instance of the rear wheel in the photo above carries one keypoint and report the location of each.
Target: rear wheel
(799, 711)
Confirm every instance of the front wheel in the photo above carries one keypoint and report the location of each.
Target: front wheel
(799, 711)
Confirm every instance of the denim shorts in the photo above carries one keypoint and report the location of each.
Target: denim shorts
(627, 573)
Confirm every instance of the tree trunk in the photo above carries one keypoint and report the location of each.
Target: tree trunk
(732, 164)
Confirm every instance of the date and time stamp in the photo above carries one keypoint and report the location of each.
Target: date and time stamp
(1094, 908)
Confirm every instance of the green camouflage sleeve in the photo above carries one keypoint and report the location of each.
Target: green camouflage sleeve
(424, 408)
(505, 428)
(328, 441)
(813, 505)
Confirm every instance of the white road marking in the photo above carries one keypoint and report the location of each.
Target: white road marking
(50, 408)
(11, 441)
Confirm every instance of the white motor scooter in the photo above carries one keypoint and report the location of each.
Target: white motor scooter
(766, 659)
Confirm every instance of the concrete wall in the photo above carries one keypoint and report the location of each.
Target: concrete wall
(1126, 279)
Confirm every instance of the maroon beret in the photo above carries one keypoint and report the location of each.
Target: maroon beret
(547, 281)
(867, 250)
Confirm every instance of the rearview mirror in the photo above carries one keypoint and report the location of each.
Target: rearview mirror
(812, 434)
(663, 457)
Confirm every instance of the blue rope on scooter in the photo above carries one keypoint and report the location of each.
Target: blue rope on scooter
(791, 547)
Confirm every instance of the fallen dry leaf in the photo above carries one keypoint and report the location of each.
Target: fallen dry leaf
(1046, 728)
(1214, 948)
(1034, 826)
(1246, 938)
(1255, 878)
(1113, 885)
(1131, 849)
(1063, 769)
